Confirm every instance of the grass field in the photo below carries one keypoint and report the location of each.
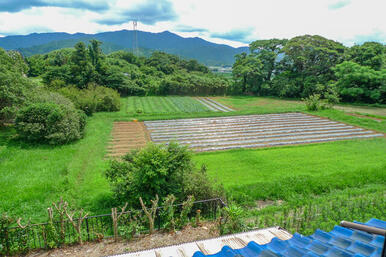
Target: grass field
(163, 105)
(287, 172)
(32, 176)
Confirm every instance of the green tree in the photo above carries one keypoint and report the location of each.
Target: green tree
(248, 73)
(309, 60)
(267, 52)
(371, 54)
(81, 68)
(358, 83)
(13, 85)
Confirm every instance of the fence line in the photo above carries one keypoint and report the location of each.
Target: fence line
(36, 236)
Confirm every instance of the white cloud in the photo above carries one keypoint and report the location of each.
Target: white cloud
(342, 20)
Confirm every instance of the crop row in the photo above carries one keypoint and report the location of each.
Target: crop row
(164, 105)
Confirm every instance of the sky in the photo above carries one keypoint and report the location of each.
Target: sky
(232, 22)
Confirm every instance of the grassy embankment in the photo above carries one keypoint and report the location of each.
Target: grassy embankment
(33, 176)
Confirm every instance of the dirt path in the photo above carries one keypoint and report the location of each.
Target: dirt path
(127, 136)
(364, 110)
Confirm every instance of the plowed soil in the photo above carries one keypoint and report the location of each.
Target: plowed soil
(127, 136)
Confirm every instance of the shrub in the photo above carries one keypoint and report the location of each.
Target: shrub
(49, 123)
(94, 98)
(108, 100)
(315, 103)
(82, 99)
(231, 220)
(158, 170)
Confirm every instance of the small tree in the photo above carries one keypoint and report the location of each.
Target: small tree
(61, 207)
(150, 213)
(77, 224)
(116, 217)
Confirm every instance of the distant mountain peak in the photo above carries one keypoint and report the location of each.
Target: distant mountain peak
(192, 48)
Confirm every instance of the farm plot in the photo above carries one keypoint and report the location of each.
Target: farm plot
(165, 105)
(210, 134)
(127, 136)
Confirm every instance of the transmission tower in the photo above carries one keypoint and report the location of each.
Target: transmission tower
(135, 38)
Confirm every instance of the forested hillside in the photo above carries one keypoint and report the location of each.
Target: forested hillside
(313, 65)
(159, 74)
(192, 48)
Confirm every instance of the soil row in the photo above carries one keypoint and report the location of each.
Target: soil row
(210, 134)
(125, 137)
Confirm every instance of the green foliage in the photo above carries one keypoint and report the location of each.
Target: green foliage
(155, 170)
(5, 240)
(231, 220)
(315, 103)
(324, 212)
(360, 83)
(49, 123)
(185, 211)
(168, 211)
(13, 85)
(94, 98)
(131, 224)
(370, 54)
(159, 74)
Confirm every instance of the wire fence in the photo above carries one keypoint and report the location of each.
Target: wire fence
(45, 235)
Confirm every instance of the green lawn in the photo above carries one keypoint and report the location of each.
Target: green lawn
(32, 176)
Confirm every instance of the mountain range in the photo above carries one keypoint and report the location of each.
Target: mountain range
(197, 48)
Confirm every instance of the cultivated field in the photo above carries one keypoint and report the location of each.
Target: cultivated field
(172, 104)
(127, 136)
(33, 176)
(210, 134)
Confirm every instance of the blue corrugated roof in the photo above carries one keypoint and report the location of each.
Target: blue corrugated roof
(339, 242)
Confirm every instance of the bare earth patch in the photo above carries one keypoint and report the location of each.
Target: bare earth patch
(109, 247)
(127, 136)
(363, 116)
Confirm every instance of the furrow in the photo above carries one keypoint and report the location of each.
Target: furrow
(287, 142)
(221, 139)
(207, 105)
(215, 134)
(285, 138)
(214, 105)
(219, 104)
(285, 115)
(230, 128)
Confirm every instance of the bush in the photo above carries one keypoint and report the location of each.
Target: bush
(49, 123)
(93, 99)
(158, 170)
(108, 100)
(315, 103)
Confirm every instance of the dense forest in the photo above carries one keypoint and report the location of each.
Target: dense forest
(308, 65)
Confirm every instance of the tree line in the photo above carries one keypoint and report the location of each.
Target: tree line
(159, 74)
(308, 65)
